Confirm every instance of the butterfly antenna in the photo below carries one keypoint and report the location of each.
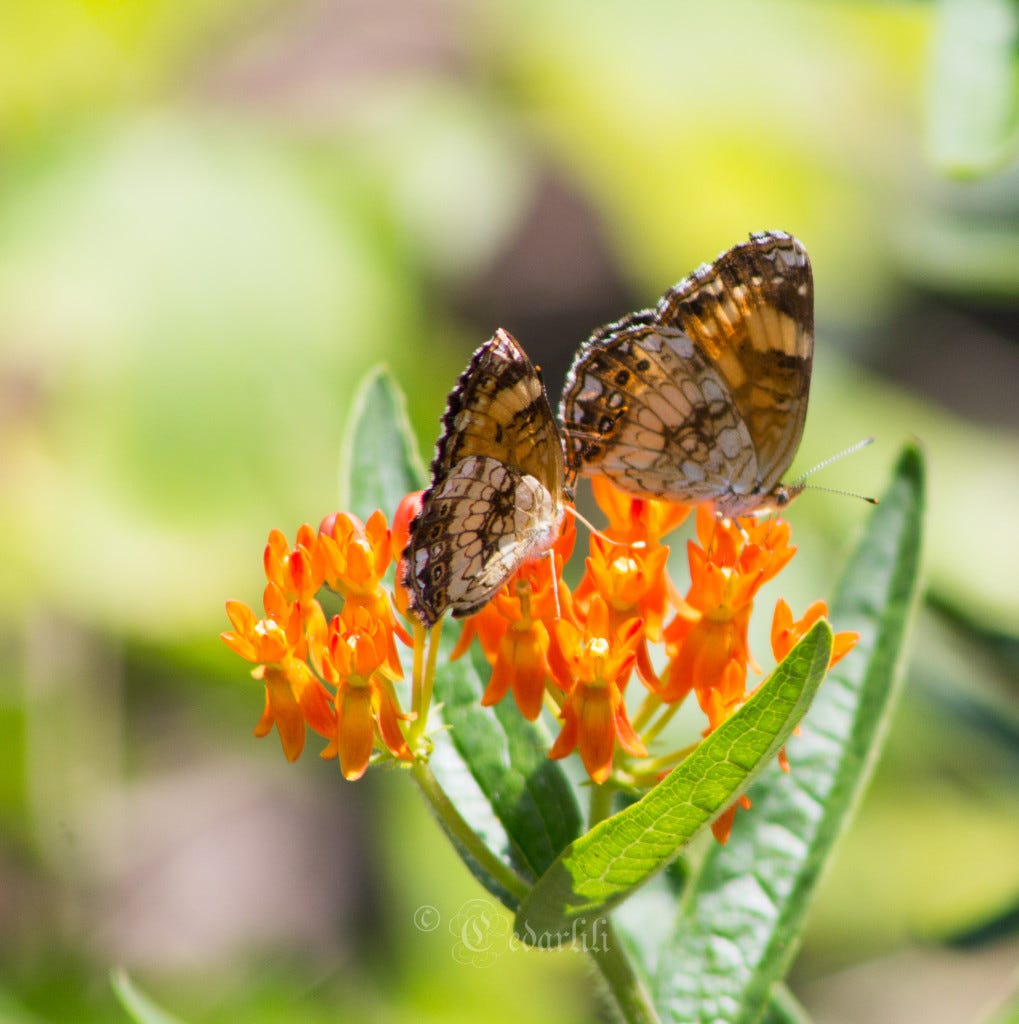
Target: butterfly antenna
(798, 482)
(833, 458)
(845, 494)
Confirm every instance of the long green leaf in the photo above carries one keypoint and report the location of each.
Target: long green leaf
(492, 763)
(740, 920)
(379, 462)
(604, 866)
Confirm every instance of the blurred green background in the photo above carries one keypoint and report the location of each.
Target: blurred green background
(214, 217)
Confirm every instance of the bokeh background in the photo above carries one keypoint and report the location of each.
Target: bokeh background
(214, 217)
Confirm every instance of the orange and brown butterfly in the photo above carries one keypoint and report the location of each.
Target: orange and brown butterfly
(703, 398)
(497, 492)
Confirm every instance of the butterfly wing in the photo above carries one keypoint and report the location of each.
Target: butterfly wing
(645, 408)
(751, 313)
(703, 398)
(497, 485)
(499, 409)
(477, 526)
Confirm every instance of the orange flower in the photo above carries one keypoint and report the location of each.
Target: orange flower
(355, 662)
(631, 579)
(722, 825)
(786, 634)
(708, 644)
(627, 566)
(355, 555)
(521, 657)
(592, 664)
(294, 697)
(636, 519)
(276, 644)
(355, 558)
(297, 572)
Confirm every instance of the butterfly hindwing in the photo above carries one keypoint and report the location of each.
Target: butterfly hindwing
(473, 530)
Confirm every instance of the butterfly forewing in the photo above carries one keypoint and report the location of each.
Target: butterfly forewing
(499, 408)
(752, 313)
(703, 398)
(497, 486)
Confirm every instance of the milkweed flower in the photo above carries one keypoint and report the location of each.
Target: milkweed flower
(355, 558)
(591, 663)
(513, 628)
(626, 566)
(296, 571)
(294, 697)
(295, 652)
(355, 661)
(707, 642)
(787, 633)
(636, 520)
(520, 661)
(406, 512)
(573, 650)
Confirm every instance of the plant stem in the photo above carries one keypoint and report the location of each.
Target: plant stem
(425, 641)
(466, 838)
(601, 803)
(631, 998)
(649, 735)
(652, 702)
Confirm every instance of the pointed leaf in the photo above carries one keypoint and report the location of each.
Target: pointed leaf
(379, 463)
(604, 866)
(740, 920)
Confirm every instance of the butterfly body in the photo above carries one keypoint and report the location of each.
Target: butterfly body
(498, 482)
(702, 398)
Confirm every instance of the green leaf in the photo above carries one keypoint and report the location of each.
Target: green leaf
(604, 866)
(975, 85)
(379, 463)
(139, 1007)
(494, 766)
(740, 920)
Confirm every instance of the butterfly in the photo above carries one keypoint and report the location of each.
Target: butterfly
(498, 486)
(702, 398)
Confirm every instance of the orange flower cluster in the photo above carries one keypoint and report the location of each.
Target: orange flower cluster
(576, 650)
(573, 650)
(335, 677)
